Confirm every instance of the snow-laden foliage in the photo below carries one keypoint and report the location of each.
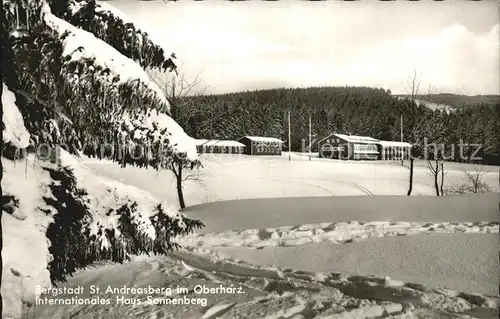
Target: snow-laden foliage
(66, 217)
(92, 86)
(80, 45)
(14, 132)
(70, 87)
(77, 89)
(116, 29)
(99, 219)
(145, 139)
(160, 130)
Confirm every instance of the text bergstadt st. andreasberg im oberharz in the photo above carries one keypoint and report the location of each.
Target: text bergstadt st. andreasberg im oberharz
(124, 295)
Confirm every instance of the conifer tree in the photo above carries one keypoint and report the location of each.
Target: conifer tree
(77, 72)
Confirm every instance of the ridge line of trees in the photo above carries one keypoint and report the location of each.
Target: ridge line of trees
(351, 110)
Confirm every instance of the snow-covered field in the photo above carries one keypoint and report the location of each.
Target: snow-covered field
(228, 177)
(299, 251)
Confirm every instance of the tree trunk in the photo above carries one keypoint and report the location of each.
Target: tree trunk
(173, 110)
(442, 179)
(436, 177)
(411, 177)
(1, 177)
(1, 196)
(180, 194)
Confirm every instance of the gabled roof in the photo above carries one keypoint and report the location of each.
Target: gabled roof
(357, 139)
(264, 139)
(229, 143)
(368, 140)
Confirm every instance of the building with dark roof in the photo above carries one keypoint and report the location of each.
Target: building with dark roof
(259, 145)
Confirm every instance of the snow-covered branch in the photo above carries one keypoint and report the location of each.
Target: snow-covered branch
(14, 132)
(117, 29)
(114, 220)
(160, 138)
(79, 45)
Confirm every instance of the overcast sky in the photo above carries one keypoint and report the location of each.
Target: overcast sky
(251, 45)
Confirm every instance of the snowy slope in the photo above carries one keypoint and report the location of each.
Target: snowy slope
(466, 262)
(466, 225)
(25, 251)
(433, 106)
(79, 44)
(266, 292)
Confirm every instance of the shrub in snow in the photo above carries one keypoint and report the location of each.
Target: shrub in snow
(79, 237)
(65, 232)
(67, 218)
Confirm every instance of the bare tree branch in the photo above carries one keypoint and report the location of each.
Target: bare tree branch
(435, 170)
(475, 183)
(176, 89)
(413, 88)
(475, 179)
(413, 83)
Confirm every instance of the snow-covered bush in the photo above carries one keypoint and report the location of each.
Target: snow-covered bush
(77, 81)
(79, 237)
(62, 218)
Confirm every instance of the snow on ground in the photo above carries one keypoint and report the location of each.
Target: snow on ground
(462, 262)
(25, 246)
(331, 232)
(266, 292)
(351, 265)
(15, 132)
(436, 254)
(278, 212)
(231, 176)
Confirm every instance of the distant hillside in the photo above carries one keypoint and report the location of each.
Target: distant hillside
(454, 101)
(355, 110)
(349, 110)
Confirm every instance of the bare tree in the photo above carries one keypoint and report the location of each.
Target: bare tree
(412, 86)
(435, 160)
(436, 167)
(177, 88)
(475, 179)
(442, 178)
(413, 83)
(183, 172)
(422, 129)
